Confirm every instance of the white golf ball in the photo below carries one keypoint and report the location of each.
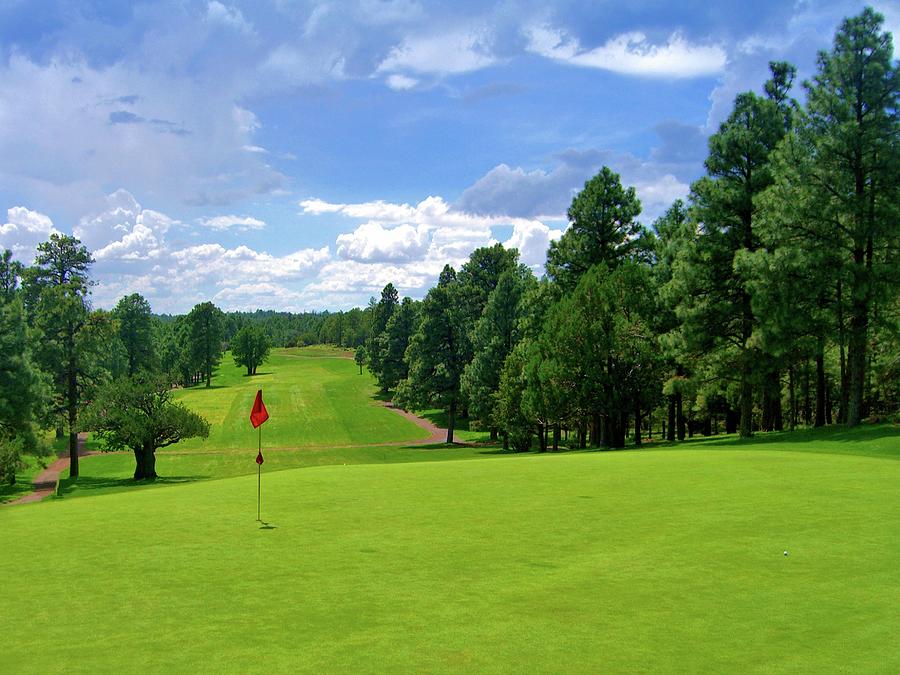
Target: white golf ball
(785, 552)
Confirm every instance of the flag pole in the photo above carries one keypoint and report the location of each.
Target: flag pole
(259, 476)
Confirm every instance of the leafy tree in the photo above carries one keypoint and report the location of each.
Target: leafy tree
(136, 332)
(603, 229)
(671, 234)
(436, 352)
(495, 334)
(360, 357)
(393, 343)
(250, 347)
(205, 332)
(72, 339)
(138, 414)
(381, 314)
(22, 391)
(509, 412)
(10, 275)
(716, 304)
(479, 276)
(841, 167)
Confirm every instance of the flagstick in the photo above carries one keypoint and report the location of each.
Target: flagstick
(259, 477)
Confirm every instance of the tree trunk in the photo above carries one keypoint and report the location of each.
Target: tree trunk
(820, 385)
(145, 463)
(637, 424)
(807, 407)
(596, 433)
(451, 421)
(792, 395)
(72, 402)
(732, 420)
(845, 381)
(493, 433)
(777, 414)
(670, 432)
(856, 352)
(679, 415)
(582, 433)
(746, 405)
(542, 439)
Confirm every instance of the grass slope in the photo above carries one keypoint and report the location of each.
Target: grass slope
(313, 400)
(650, 560)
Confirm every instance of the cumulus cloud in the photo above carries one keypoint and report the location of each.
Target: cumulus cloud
(448, 53)
(133, 253)
(23, 231)
(236, 222)
(371, 242)
(631, 54)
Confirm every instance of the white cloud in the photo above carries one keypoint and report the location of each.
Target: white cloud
(23, 231)
(631, 54)
(237, 222)
(216, 12)
(401, 82)
(432, 211)
(532, 239)
(371, 242)
(65, 136)
(449, 53)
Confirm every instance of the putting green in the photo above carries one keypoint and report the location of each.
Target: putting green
(592, 562)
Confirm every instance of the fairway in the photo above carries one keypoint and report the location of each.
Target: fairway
(315, 398)
(587, 562)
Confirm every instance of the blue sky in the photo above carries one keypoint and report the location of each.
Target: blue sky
(300, 155)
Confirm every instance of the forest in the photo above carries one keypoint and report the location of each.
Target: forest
(768, 299)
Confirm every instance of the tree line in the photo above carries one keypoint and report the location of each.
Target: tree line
(767, 299)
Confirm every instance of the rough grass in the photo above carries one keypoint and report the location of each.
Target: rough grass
(588, 562)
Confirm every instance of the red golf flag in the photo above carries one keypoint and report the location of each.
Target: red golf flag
(259, 414)
(259, 459)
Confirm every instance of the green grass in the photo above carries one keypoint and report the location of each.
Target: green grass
(387, 559)
(33, 466)
(590, 562)
(314, 399)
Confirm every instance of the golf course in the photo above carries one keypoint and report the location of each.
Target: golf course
(777, 554)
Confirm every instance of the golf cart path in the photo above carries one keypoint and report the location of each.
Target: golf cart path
(45, 482)
(438, 435)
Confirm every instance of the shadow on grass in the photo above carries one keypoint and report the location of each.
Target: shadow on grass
(265, 372)
(838, 432)
(100, 483)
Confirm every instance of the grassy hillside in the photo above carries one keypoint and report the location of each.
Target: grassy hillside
(651, 560)
(315, 398)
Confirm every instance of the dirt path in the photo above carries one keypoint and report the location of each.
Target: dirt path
(45, 482)
(438, 435)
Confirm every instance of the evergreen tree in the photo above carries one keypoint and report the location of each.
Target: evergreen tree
(205, 332)
(716, 305)
(603, 229)
(436, 353)
(494, 336)
(136, 332)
